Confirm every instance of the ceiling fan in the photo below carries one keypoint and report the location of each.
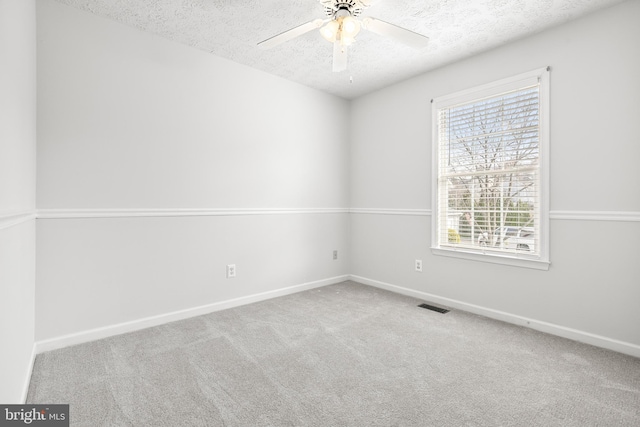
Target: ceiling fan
(342, 26)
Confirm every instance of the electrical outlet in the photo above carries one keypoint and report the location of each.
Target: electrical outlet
(231, 271)
(335, 254)
(419, 265)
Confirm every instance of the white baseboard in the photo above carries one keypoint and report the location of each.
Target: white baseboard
(108, 331)
(550, 328)
(147, 322)
(27, 379)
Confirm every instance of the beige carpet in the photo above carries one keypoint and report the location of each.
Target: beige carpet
(342, 355)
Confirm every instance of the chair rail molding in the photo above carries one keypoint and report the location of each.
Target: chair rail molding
(179, 212)
(11, 219)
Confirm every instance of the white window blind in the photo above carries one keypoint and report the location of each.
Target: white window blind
(488, 160)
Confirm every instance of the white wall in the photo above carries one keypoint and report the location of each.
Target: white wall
(17, 195)
(129, 121)
(591, 291)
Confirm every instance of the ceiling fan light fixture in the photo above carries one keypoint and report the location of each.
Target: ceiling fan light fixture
(342, 29)
(330, 31)
(350, 27)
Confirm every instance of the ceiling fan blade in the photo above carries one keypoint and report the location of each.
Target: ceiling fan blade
(291, 34)
(408, 37)
(339, 57)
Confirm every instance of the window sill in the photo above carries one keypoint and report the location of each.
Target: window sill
(535, 264)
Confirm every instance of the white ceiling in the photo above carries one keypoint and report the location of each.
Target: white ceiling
(232, 28)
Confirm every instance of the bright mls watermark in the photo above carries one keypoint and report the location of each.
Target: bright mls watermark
(34, 415)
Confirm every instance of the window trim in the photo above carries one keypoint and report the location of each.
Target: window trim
(540, 75)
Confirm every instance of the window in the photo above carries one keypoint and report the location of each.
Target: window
(490, 166)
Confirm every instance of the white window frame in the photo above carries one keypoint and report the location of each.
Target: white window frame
(541, 261)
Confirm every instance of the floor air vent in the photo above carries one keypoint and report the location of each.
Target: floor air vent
(432, 308)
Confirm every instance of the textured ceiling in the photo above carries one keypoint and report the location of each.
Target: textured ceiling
(232, 28)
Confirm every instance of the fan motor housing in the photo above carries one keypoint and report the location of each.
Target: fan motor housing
(335, 8)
